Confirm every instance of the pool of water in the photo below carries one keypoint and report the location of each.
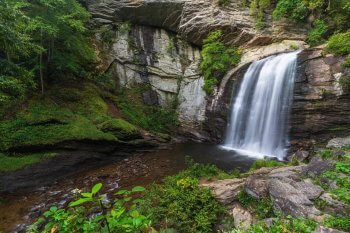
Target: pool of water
(18, 210)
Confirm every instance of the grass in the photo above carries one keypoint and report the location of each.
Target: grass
(13, 163)
(265, 163)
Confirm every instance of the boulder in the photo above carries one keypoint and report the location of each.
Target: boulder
(291, 200)
(317, 168)
(334, 206)
(225, 191)
(255, 184)
(321, 229)
(300, 155)
(242, 218)
(338, 142)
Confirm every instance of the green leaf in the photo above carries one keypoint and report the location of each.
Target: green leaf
(138, 189)
(53, 209)
(121, 192)
(96, 188)
(89, 195)
(80, 201)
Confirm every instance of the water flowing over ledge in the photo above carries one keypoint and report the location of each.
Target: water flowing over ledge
(258, 125)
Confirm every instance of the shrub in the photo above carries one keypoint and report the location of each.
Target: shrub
(217, 59)
(319, 30)
(263, 208)
(339, 43)
(182, 204)
(293, 9)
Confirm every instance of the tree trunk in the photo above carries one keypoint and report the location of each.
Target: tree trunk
(41, 63)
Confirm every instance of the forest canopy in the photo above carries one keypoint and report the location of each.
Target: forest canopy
(41, 41)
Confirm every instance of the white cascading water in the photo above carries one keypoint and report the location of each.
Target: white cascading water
(259, 119)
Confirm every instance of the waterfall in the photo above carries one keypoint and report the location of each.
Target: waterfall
(258, 125)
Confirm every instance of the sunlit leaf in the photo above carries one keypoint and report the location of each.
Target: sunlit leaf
(80, 201)
(96, 188)
(138, 189)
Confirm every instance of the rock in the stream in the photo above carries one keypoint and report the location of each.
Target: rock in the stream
(225, 191)
(338, 142)
(242, 218)
(290, 200)
(321, 229)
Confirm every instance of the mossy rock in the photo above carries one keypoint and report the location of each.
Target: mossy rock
(121, 129)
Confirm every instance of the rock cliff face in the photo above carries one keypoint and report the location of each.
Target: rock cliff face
(321, 107)
(146, 55)
(193, 19)
(164, 54)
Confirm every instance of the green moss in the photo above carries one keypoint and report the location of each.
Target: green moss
(224, 3)
(153, 118)
(121, 129)
(13, 163)
(265, 163)
(64, 114)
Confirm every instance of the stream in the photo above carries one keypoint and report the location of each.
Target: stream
(17, 211)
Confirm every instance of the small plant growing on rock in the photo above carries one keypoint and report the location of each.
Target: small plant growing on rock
(217, 59)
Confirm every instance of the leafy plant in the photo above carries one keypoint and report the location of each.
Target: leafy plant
(217, 59)
(339, 223)
(263, 208)
(257, 8)
(123, 217)
(316, 36)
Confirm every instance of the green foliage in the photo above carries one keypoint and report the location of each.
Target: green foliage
(344, 82)
(122, 217)
(153, 118)
(341, 175)
(339, 43)
(294, 47)
(316, 35)
(107, 33)
(347, 62)
(224, 3)
(257, 8)
(285, 225)
(262, 208)
(293, 9)
(45, 38)
(182, 204)
(326, 154)
(217, 59)
(265, 163)
(9, 163)
(339, 223)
